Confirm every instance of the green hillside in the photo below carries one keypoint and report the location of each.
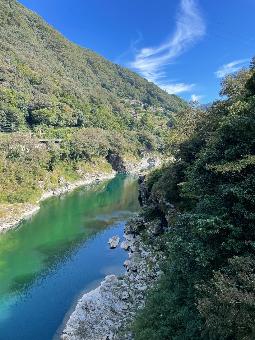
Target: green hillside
(45, 79)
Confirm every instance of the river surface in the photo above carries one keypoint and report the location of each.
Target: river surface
(61, 251)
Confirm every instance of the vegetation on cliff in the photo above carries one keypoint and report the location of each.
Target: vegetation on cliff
(205, 201)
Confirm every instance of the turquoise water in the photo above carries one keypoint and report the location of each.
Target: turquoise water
(47, 263)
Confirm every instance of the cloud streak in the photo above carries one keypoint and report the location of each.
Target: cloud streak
(196, 98)
(177, 88)
(150, 62)
(232, 67)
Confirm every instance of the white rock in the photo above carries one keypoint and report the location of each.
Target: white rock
(127, 264)
(125, 245)
(114, 241)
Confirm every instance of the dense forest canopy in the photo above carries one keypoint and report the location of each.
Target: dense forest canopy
(205, 201)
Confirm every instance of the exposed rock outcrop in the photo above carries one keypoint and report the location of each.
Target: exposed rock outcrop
(146, 164)
(126, 166)
(116, 162)
(143, 193)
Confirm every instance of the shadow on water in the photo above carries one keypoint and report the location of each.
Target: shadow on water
(58, 253)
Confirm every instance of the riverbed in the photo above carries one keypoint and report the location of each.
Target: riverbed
(59, 253)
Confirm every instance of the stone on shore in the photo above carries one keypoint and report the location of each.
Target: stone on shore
(125, 245)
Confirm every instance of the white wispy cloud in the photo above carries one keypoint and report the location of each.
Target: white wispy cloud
(151, 61)
(196, 98)
(231, 67)
(177, 87)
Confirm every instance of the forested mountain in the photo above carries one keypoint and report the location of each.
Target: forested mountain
(45, 79)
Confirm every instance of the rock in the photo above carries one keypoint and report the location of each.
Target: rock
(141, 288)
(125, 245)
(134, 227)
(116, 162)
(151, 162)
(143, 193)
(125, 296)
(130, 238)
(107, 337)
(114, 241)
(133, 264)
(133, 248)
(127, 264)
(157, 230)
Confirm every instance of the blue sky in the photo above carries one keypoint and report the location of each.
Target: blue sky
(184, 46)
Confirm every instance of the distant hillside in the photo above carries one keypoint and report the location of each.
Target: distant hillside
(47, 80)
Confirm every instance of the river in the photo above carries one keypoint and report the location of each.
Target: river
(60, 252)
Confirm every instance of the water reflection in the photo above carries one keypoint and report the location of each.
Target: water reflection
(65, 241)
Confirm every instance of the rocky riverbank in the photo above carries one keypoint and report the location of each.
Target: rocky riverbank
(108, 311)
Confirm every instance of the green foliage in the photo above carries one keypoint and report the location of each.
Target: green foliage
(24, 164)
(31, 164)
(207, 286)
(228, 300)
(11, 118)
(89, 143)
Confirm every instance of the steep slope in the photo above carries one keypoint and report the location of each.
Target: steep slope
(45, 79)
(203, 209)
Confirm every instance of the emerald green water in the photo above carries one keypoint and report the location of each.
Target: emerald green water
(59, 252)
